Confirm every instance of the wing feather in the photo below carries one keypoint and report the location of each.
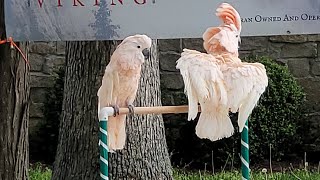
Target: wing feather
(245, 83)
(107, 93)
(202, 78)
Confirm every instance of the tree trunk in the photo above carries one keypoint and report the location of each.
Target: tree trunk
(77, 152)
(145, 155)
(14, 109)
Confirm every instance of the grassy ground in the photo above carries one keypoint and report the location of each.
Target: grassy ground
(236, 175)
(38, 172)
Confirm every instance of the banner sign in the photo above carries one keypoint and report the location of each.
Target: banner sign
(62, 20)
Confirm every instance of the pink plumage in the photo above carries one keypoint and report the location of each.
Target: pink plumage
(219, 81)
(120, 83)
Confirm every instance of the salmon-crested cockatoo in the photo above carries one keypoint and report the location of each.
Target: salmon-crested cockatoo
(120, 83)
(221, 81)
(245, 82)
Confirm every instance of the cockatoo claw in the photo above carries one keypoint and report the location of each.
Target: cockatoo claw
(131, 109)
(116, 110)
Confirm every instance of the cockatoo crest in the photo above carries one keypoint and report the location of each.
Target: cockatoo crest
(226, 37)
(229, 15)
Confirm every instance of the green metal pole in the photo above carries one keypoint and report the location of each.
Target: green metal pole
(245, 169)
(103, 142)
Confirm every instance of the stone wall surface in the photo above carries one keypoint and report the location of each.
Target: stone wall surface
(301, 53)
(45, 58)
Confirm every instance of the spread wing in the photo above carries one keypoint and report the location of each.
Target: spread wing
(202, 78)
(245, 84)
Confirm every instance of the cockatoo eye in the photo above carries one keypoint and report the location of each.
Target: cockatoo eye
(138, 47)
(237, 35)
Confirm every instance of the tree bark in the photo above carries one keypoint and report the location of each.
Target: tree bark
(77, 152)
(14, 109)
(145, 155)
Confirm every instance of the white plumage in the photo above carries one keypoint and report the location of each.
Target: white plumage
(120, 84)
(245, 83)
(204, 84)
(219, 81)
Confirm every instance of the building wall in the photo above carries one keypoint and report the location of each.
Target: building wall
(45, 58)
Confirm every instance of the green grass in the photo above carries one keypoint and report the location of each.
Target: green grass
(38, 172)
(236, 175)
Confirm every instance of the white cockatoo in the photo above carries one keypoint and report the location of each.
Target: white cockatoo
(219, 81)
(120, 83)
(245, 82)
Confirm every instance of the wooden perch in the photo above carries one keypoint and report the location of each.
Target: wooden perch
(158, 110)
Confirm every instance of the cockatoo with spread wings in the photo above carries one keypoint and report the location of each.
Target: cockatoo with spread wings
(204, 84)
(240, 84)
(245, 82)
(120, 83)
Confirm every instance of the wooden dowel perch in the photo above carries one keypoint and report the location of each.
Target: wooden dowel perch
(158, 110)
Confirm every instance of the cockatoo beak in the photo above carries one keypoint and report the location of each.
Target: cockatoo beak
(146, 53)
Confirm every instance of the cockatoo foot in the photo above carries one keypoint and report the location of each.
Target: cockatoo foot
(131, 109)
(116, 110)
